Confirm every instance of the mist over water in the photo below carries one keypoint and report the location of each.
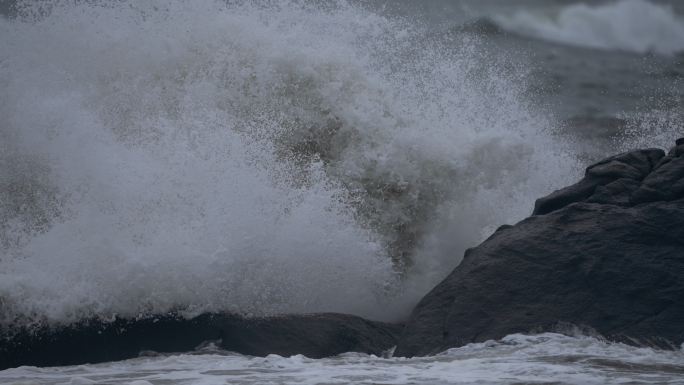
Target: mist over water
(166, 156)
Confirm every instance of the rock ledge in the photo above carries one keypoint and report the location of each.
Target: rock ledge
(606, 253)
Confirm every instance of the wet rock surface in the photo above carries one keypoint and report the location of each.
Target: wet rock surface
(633, 165)
(314, 336)
(606, 254)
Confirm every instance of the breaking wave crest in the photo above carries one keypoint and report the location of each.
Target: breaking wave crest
(286, 157)
(625, 25)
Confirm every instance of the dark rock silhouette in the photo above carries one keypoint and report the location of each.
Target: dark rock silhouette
(606, 253)
(313, 335)
(665, 183)
(633, 165)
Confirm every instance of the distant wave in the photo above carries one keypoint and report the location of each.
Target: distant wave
(627, 25)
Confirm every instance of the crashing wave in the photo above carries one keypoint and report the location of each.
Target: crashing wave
(250, 158)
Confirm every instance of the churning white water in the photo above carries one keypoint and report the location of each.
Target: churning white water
(543, 359)
(170, 156)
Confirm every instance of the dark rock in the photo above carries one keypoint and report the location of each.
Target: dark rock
(676, 151)
(665, 160)
(616, 193)
(635, 165)
(314, 336)
(605, 254)
(665, 182)
(578, 192)
(642, 160)
(618, 270)
(94, 341)
(679, 142)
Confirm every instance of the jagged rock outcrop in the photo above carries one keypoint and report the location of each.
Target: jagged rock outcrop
(312, 335)
(628, 168)
(606, 253)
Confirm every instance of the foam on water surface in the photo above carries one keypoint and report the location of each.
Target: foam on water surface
(543, 358)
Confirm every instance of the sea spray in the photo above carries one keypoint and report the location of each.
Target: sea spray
(285, 157)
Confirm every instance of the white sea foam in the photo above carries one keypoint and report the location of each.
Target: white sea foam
(544, 358)
(168, 156)
(626, 25)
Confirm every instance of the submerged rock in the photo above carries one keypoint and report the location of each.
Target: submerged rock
(312, 335)
(608, 254)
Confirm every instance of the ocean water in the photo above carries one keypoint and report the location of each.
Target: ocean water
(298, 156)
(518, 359)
